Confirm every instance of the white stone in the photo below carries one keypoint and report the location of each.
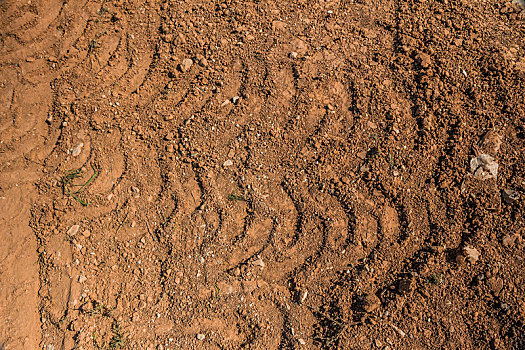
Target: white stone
(484, 167)
(77, 149)
(73, 230)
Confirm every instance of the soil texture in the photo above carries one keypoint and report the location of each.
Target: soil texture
(262, 174)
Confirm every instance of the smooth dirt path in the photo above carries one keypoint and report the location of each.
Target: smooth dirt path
(31, 38)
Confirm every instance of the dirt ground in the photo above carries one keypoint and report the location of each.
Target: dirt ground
(262, 174)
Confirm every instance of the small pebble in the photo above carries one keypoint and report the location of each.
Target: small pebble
(484, 167)
(510, 196)
(491, 143)
(399, 331)
(202, 60)
(370, 302)
(186, 64)
(73, 230)
(510, 240)
(135, 192)
(520, 3)
(471, 254)
(424, 60)
(77, 149)
(259, 262)
(228, 163)
(201, 336)
(304, 295)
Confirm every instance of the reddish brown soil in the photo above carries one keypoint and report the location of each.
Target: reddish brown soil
(264, 174)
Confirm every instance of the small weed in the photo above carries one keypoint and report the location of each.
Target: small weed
(234, 197)
(100, 309)
(67, 183)
(122, 222)
(102, 11)
(216, 292)
(117, 340)
(436, 279)
(41, 263)
(93, 44)
(95, 341)
(391, 161)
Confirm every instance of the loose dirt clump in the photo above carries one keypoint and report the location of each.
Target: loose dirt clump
(262, 174)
